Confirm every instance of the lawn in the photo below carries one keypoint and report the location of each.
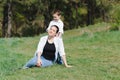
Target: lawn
(94, 56)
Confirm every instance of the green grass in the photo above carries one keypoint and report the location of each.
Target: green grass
(94, 57)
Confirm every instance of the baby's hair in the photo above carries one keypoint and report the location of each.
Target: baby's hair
(58, 12)
(56, 27)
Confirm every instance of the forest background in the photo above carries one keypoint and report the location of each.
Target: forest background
(23, 18)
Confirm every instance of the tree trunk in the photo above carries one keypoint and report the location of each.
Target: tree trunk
(91, 11)
(9, 19)
(5, 20)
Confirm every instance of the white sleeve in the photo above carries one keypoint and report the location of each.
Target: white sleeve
(49, 26)
(61, 47)
(61, 28)
(40, 45)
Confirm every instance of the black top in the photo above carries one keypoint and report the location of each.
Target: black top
(49, 51)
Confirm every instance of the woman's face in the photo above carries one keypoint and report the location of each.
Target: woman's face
(52, 31)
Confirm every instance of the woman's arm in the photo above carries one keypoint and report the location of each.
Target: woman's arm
(38, 60)
(64, 61)
(40, 50)
(62, 52)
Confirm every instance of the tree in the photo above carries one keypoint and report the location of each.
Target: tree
(7, 19)
(9, 3)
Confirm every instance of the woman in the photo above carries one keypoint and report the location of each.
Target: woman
(47, 50)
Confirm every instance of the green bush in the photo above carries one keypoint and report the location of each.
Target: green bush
(114, 27)
(0, 32)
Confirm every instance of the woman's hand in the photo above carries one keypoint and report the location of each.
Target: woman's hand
(68, 66)
(38, 63)
(65, 62)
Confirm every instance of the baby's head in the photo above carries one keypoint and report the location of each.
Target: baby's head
(56, 14)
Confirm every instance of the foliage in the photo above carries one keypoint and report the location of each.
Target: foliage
(75, 13)
(114, 13)
(114, 27)
(114, 18)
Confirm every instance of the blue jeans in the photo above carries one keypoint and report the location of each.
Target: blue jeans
(32, 62)
(59, 60)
